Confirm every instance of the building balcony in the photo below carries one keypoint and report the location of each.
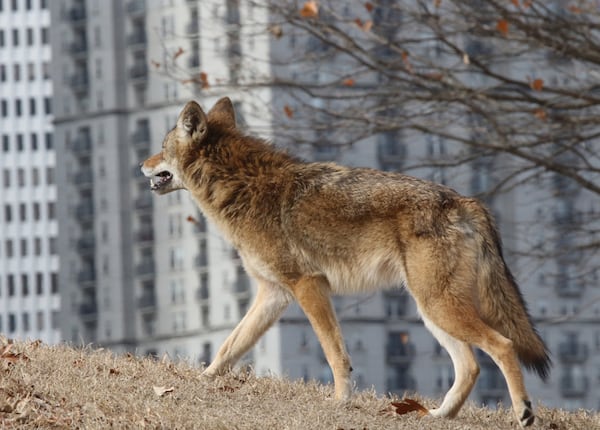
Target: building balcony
(83, 179)
(85, 211)
(78, 49)
(76, 15)
(202, 293)
(145, 269)
(79, 83)
(82, 145)
(400, 353)
(141, 135)
(88, 310)
(144, 202)
(137, 39)
(145, 234)
(574, 386)
(86, 277)
(391, 152)
(573, 352)
(401, 384)
(86, 244)
(241, 287)
(570, 288)
(201, 260)
(138, 72)
(194, 61)
(147, 302)
(192, 27)
(136, 7)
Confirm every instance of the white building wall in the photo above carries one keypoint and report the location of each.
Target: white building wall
(29, 288)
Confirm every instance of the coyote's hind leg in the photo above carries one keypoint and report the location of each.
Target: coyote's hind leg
(466, 371)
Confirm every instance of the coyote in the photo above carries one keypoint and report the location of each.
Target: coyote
(306, 231)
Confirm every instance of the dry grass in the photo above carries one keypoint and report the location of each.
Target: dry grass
(61, 387)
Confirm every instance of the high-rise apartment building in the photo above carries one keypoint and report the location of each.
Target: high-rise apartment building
(148, 274)
(29, 261)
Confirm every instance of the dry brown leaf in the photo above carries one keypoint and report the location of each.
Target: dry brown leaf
(409, 405)
(502, 26)
(515, 3)
(161, 391)
(574, 9)
(155, 64)
(11, 357)
(310, 9)
(364, 26)
(537, 84)
(348, 82)
(275, 30)
(204, 80)
(540, 114)
(289, 112)
(177, 53)
(369, 6)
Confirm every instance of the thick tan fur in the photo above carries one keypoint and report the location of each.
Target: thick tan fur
(308, 230)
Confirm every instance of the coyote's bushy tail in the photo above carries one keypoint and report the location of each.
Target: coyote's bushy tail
(501, 303)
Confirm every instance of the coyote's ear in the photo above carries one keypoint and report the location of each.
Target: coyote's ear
(223, 112)
(192, 121)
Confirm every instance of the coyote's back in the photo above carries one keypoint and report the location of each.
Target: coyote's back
(307, 230)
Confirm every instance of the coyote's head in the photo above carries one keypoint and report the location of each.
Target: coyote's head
(183, 143)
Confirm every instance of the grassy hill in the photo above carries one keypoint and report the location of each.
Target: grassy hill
(61, 387)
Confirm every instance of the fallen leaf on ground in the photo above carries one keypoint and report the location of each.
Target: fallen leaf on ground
(161, 391)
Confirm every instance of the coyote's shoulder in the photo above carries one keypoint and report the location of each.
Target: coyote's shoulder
(307, 230)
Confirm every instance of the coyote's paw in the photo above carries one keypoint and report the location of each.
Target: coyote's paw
(525, 416)
(405, 406)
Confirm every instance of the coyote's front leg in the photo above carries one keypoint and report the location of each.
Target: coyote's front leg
(270, 302)
(313, 295)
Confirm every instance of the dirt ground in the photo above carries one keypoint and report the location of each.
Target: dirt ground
(58, 387)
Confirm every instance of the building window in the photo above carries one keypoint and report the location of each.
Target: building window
(28, 5)
(34, 142)
(7, 213)
(54, 283)
(15, 5)
(23, 247)
(18, 110)
(52, 246)
(22, 212)
(46, 70)
(39, 323)
(39, 283)
(4, 108)
(12, 323)
(35, 181)
(2, 73)
(6, 178)
(32, 106)
(25, 321)
(37, 246)
(48, 140)
(21, 177)
(51, 210)
(20, 145)
(24, 284)
(2, 43)
(31, 71)
(45, 36)
(15, 37)
(5, 143)
(16, 72)
(47, 105)
(30, 36)
(10, 285)
(49, 175)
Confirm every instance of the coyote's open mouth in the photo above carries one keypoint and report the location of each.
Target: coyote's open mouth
(160, 180)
